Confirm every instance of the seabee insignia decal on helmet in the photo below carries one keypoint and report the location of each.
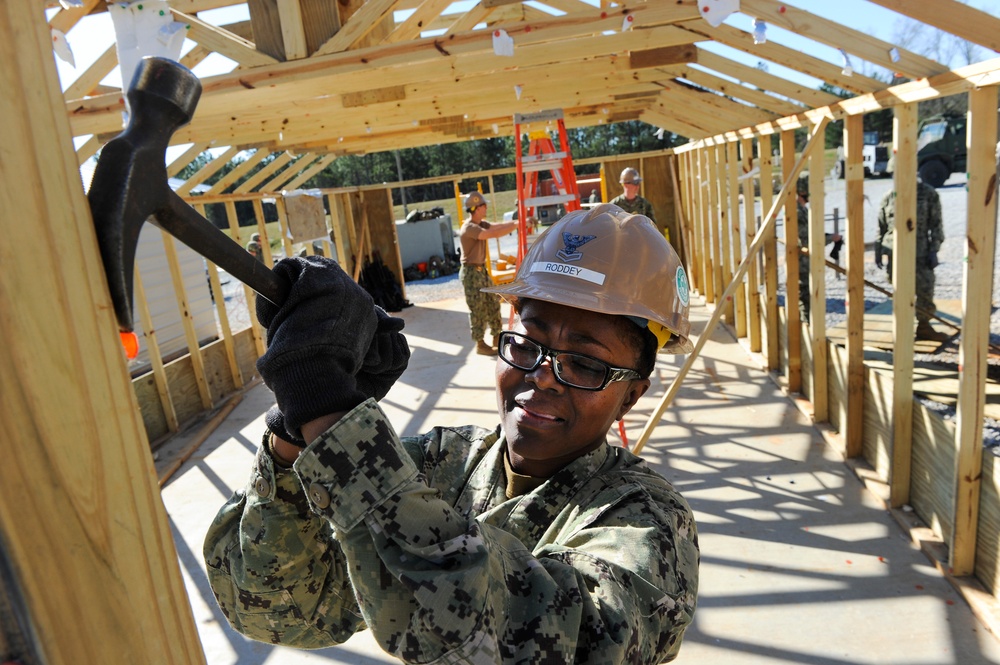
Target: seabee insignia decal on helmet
(572, 243)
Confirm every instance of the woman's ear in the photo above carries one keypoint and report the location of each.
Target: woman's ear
(637, 388)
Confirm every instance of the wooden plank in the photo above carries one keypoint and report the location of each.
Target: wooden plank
(248, 293)
(278, 162)
(704, 202)
(184, 310)
(752, 96)
(185, 158)
(761, 79)
(855, 243)
(87, 150)
(362, 22)
(713, 208)
(222, 41)
(241, 170)
(276, 183)
(94, 516)
(817, 288)
(736, 234)
(207, 170)
(66, 18)
(839, 36)
(265, 241)
(790, 175)
(417, 21)
(750, 229)
(293, 31)
(689, 217)
(957, 18)
(904, 253)
(467, 21)
(87, 81)
(308, 173)
(374, 96)
(770, 252)
(786, 57)
(663, 55)
(155, 356)
(973, 349)
(793, 328)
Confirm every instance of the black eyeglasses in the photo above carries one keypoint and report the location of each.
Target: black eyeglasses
(570, 369)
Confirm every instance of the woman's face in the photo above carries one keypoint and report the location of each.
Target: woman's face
(548, 424)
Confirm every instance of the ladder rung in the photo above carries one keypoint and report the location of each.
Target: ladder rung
(552, 165)
(542, 156)
(548, 200)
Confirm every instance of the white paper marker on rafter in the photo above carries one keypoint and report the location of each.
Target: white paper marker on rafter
(517, 91)
(628, 22)
(503, 44)
(62, 48)
(717, 11)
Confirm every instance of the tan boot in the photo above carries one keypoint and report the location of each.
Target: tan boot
(484, 349)
(927, 333)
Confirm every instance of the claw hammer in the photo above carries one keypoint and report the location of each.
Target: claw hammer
(130, 185)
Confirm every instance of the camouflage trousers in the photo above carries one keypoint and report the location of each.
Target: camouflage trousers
(484, 308)
(923, 286)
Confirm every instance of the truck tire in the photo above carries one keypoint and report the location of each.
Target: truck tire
(838, 169)
(934, 173)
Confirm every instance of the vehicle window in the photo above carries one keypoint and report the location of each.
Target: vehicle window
(933, 131)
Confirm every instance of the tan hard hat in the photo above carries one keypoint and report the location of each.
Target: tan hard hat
(606, 260)
(474, 200)
(630, 177)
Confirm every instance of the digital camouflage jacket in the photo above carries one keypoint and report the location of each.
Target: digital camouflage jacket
(637, 206)
(417, 540)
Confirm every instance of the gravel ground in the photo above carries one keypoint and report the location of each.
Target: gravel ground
(948, 275)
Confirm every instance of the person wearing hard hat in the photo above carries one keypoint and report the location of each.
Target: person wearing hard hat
(537, 541)
(629, 200)
(254, 247)
(484, 309)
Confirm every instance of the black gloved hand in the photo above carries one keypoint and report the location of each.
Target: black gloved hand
(276, 423)
(932, 260)
(835, 252)
(317, 341)
(387, 356)
(878, 255)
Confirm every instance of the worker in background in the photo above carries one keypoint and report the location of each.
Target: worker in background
(630, 201)
(254, 248)
(930, 235)
(484, 308)
(535, 542)
(802, 212)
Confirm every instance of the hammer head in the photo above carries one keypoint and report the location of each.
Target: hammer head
(130, 182)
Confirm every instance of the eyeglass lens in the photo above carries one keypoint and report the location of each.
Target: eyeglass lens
(570, 368)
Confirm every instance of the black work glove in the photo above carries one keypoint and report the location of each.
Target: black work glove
(932, 260)
(318, 341)
(276, 423)
(878, 255)
(387, 357)
(835, 252)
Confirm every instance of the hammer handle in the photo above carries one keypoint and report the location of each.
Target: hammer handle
(184, 223)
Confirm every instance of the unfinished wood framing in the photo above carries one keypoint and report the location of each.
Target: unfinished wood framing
(328, 79)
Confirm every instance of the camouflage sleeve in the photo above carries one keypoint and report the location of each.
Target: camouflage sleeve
(274, 566)
(935, 224)
(802, 213)
(648, 210)
(435, 585)
(883, 220)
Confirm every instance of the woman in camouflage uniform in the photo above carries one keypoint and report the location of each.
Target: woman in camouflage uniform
(536, 542)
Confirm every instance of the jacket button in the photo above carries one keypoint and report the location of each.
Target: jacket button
(262, 487)
(319, 496)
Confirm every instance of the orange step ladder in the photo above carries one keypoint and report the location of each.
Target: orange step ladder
(542, 156)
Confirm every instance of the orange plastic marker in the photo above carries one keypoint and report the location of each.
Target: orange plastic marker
(130, 342)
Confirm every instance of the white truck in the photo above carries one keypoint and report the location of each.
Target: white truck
(874, 156)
